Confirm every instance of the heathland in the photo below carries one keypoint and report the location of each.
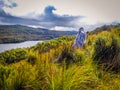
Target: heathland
(55, 65)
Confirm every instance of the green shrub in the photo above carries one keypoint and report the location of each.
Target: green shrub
(106, 52)
(23, 78)
(12, 56)
(47, 45)
(4, 77)
(66, 54)
(79, 56)
(31, 58)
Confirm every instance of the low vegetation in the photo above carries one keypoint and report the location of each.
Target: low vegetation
(12, 56)
(55, 65)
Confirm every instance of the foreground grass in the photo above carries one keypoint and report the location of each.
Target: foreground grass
(45, 75)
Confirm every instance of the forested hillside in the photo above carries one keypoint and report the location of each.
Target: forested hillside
(18, 33)
(55, 65)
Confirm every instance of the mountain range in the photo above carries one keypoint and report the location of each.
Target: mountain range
(19, 33)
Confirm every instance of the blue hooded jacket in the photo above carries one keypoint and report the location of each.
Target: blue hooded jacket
(80, 39)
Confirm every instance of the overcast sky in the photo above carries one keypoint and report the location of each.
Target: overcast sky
(60, 14)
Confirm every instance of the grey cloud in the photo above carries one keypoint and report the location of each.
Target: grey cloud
(48, 19)
(1, 3)
(6, 18)
(10, 5)
(57, 20)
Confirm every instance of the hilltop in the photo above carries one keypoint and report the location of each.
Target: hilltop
(19, 33)
(103, 28)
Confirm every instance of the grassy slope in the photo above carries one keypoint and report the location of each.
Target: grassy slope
(39, 71)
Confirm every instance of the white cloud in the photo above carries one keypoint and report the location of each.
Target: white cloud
(60, 28)
(7, 2)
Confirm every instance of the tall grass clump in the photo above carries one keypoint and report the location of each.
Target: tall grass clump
(4, 77)
(31, 57)
(71, 55)
(107, 51)
(66, 54)
(23, 77)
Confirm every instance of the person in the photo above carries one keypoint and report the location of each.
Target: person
(80, 38)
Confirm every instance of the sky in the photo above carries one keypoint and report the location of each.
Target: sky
(60, 14)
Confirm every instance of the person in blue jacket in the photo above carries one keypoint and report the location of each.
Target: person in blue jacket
(80, 38)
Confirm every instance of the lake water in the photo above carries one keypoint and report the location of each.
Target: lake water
(4, 47)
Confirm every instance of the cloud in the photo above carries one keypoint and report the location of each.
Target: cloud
(49, 10)
(6, 18)
(47, 19)
(60, 28)
(51, 20)
(1, 3)
(58, 20)
(7, 3)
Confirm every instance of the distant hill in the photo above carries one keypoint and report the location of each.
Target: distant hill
(100, 29)
(19, 33)
(104, 28)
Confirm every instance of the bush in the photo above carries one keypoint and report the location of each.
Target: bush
(4, 77)
(47, 45)
(12, 56)
(79, 56)
(66, 54)
(70, 55)
(23, 78)
(31, 58)
(106, 52)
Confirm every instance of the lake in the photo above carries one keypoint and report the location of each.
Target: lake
(4, 47)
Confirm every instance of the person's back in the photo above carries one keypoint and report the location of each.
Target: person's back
(80, 38)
